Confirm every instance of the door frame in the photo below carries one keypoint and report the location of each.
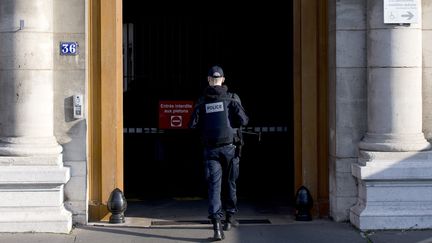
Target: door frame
(105, 102)
(311, 152)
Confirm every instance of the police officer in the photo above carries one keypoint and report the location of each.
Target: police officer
(219, 116)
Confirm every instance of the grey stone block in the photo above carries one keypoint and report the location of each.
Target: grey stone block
(69, 16)
(350, 14)
(350, 48)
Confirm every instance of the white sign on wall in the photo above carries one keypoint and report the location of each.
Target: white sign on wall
(401, 11)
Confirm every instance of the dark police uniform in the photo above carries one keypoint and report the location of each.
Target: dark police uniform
(219, 116)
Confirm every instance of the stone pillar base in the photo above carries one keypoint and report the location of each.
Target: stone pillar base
(33, 219)
(394, 142)
(29, 146)
(32, 198)
(394, 191)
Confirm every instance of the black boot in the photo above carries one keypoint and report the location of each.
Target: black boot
(218, 232)
(230, 221)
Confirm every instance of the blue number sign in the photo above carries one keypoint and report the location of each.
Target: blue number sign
(69, 48)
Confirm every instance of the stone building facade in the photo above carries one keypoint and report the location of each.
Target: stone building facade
(380, 117)
(379, 113)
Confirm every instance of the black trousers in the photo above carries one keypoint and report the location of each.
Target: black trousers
(221, 170)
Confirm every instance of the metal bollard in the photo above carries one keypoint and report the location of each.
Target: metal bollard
(117, 206)
(304, 203)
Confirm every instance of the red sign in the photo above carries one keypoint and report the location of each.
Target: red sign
(174, 114)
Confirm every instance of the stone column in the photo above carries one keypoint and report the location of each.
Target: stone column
(394, 177)
(394, 61)
(32, 175)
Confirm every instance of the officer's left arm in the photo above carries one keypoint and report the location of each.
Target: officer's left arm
(194, 120)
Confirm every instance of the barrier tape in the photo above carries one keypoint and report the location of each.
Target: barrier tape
(154, 130)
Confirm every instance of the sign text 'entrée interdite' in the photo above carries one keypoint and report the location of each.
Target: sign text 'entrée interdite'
(174, 114)
(401, 11)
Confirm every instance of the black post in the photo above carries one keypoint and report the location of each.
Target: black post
(117, 206)
(304, 203)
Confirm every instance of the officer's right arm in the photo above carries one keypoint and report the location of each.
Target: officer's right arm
(239, 115)
(236, 98)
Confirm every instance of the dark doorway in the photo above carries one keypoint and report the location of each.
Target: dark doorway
(169, 52)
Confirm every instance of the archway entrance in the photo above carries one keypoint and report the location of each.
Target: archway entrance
(169, 52)
(309, 89)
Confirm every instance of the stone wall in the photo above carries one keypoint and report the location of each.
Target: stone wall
(348, 94)
(69, 80)
(427, 69)
(347, 99)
